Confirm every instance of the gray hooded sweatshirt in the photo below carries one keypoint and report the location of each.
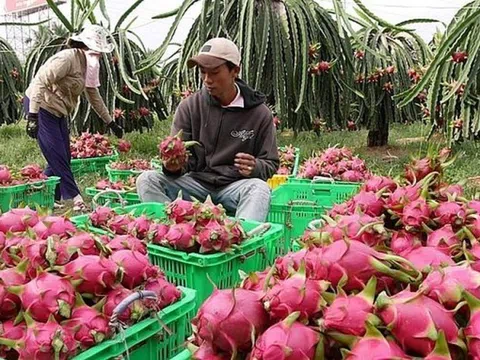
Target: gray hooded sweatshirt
(224, 132)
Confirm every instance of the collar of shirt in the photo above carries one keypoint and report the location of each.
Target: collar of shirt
(238, 101)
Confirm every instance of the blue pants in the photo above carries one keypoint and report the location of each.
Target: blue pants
(54, 141)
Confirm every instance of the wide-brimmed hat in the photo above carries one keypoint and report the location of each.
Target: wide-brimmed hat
(95, 37)
(216, 52)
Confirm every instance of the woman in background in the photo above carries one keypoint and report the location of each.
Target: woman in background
(53, 95)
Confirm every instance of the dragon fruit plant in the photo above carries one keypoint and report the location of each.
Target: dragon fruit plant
(335, 163)
(89, 145)
(59, 285)
(287, 157)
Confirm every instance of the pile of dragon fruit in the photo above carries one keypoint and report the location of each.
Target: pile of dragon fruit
(190, 226)
(287, 157)
(28, 174)
(59, 286)
(132, 164)
(393, 273)
(120, 185)
(335, 163)
(89, 145)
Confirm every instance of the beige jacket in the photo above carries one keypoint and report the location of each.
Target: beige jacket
(58, 84)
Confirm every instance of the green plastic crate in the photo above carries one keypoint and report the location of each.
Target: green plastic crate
(116, 175)
(112, 200)
(92, 165)
(198, 271)
(41, 193)
(184, 355)
(321, 180)
(148, 339)
(294, 205)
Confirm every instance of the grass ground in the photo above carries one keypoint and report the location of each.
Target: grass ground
(16, 149)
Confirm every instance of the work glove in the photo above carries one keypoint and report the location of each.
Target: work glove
(32, 125)
(116, 129)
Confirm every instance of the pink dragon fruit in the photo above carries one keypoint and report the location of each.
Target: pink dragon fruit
(427, 258)
(368, 203)
(93, 274)
(213, 237)
(101, 216)
(363, 228)
(472, 331)
(17, 220)
(347, 314)
(34, 251)
(5, 175)
(401, 310)
(46, 295)
(62, 251)
(10, 330)
(341, 209)
(157, 232)
(401, 197)
(309, 169)
(473, 205)
(284, 266)
(446, 285)
(119, 224)
(3, 240)
(352, 176)
(9, 302)
(352, 264)
(378, 183)
(287, 340)
(441, 350)
(166, 293)
(174, 151)
(135, 265)
(283, 170)
(206, 352)
(127, 242)
(139, 227)
(12, 250)
(419, 169)
(55, 225)
(230, 319)
(296, 293)
(181, 236)
(135, 311)
(257, 281)
(374, 346)
(415, 214)
(450, 191)
(88, 324)
(235, 231)
(403, 242)
(444, 239)
(180, 211)
(209, 211)
(450, 213)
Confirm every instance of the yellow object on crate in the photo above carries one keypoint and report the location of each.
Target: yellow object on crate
(277, 180)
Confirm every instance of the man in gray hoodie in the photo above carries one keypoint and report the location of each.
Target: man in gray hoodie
(238, 149)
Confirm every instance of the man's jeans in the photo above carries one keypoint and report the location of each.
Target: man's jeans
(248, 199)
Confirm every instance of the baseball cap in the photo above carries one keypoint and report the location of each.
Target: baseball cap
(216, 52)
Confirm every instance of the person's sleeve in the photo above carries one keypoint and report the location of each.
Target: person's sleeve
(267, 156)
(50, 73)
(95, 99)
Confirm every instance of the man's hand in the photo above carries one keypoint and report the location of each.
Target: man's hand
(245, 163)
(173, 167)
(32, 125)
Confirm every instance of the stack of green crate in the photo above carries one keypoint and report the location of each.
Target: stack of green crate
(40, 193)
(296, 204)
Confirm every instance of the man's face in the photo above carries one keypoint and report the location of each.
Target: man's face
(218, 81)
